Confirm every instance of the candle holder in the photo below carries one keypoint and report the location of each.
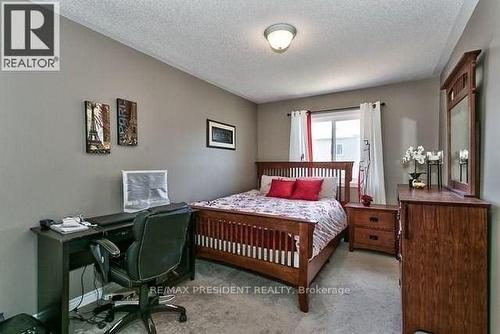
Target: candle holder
(435, 158)
(463, 162)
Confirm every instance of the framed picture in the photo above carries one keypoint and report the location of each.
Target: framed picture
(127, 122)
(221, 135)
(97, 128)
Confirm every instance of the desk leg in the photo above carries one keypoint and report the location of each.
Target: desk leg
(53, 284)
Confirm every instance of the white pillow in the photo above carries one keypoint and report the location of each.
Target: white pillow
(328, 188)
(265, 182)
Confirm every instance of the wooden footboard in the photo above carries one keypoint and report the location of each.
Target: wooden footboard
(265, 244)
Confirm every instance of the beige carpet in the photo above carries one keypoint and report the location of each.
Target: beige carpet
(370, 305)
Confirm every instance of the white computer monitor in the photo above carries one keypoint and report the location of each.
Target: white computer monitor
(143, 189)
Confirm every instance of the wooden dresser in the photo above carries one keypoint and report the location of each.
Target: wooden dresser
(373, 227)
(444, 262)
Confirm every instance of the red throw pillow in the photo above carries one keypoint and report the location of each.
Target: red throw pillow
(281, 188)
(307, 189)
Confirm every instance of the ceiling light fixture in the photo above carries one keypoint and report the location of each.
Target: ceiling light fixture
(280, 36)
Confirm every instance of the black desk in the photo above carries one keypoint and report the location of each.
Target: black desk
(58, 254)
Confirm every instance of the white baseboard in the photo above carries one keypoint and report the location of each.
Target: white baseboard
(88, 298)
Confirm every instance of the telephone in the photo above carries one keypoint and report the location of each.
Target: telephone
(71, 225)
(71, 221)
(74, 221)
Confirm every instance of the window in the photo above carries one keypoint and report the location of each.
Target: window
(336, 137)
(339, 151)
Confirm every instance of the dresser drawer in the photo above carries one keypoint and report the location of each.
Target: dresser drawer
(374, 239)
(373, 219)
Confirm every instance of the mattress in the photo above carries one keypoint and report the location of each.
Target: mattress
(327, 214)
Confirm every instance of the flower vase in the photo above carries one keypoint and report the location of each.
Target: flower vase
(413, 177)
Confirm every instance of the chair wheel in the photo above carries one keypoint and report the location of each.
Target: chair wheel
(183, 318)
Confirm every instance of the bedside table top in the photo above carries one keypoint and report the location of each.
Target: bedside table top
(383, 207)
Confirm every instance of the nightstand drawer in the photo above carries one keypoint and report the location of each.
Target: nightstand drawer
(374, 239)
(373, 219)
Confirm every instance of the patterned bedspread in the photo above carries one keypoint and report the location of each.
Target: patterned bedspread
(328, 214)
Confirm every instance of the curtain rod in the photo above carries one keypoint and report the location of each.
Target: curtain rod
(336, 109)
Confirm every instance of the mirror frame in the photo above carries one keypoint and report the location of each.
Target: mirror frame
(461, 83)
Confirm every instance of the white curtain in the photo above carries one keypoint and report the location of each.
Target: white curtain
(371, 131)
(298, 136)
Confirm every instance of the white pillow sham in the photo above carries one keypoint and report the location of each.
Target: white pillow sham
(265, 182)
(328, 188)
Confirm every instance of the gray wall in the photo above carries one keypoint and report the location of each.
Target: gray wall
(483, 32)
(45, 172)
(410, 117)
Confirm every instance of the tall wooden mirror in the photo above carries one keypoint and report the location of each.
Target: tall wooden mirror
(462, 146)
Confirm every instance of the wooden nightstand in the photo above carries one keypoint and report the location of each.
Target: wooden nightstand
(374, 227)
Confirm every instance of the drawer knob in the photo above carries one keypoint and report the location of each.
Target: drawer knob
(373, 237)
(374, 219)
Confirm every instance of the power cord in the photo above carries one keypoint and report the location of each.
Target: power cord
(83, 290)
(95, 319)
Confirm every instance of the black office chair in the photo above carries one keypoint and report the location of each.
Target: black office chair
(159, 239)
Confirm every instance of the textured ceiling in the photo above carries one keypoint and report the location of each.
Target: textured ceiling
(340, 44)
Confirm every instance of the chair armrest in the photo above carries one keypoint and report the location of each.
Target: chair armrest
(108, 246)
(102, 250)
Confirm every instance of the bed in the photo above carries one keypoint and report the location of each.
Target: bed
(288, 240)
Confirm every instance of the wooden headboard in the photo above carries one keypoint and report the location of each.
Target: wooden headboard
(340, 169)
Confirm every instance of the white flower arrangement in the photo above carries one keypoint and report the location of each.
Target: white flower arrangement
(417, 156)
(413, 154)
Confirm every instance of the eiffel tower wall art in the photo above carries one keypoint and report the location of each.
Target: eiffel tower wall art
(127, 122)
(97, 128)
